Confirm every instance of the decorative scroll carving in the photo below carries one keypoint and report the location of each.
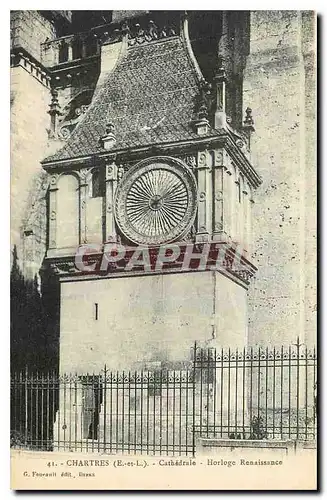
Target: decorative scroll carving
(68, 125)
(219, 158)
(53, 181)
(240, 143)
(120, 173)
(218, 226)
(190, 160)
(244, 275)
(64, 121)
(83, 174)
(111, 172)
(202, 160)
(145, 34)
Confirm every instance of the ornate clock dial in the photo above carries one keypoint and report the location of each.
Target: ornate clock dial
(156, 201)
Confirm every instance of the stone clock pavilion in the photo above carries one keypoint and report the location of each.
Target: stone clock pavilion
(124, 106)
(156, 158)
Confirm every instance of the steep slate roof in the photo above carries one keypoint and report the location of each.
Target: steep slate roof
(150, 97)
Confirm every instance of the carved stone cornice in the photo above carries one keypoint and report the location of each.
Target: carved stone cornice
(241, 161)
(63, 74)
(65, 269)
(19, 57)
(225, 140)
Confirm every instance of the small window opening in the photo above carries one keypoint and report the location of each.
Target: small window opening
(98, 184)
(77, 48)
(63, 52)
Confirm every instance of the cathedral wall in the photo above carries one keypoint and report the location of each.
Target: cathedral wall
(29, 29)
(148, 319)
(310, 202)
(282, 294)
(29, 122)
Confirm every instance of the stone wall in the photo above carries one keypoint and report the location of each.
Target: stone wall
(279, 86)
(29, 139)
(28, 30)
(147, 319)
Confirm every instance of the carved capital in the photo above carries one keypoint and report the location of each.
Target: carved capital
(120, 173)
(218, 226)
(221, 159)
(190, 161)
(203, 160)
(84, 174)
(111, 172)
(53, 182)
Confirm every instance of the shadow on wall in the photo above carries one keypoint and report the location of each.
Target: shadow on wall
(34, 322)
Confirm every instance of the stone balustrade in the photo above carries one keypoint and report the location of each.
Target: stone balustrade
(69, 48)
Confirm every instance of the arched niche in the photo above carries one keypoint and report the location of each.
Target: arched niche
(67, 211)
(94, 206)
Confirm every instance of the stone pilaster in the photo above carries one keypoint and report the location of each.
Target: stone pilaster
(111, 185)
(53, 189)
(204, 197)
(246, 217)
(233, 202)
(220, 197)
(241, 221)
(84, 186)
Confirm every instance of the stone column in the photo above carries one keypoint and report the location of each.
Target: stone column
(111, 186)
(204, 197)
(250, 231)
(246, 218)
(83, 201)
(241, 222)
(233, 203)
(53, 212)
(221, 201)
(70, 49)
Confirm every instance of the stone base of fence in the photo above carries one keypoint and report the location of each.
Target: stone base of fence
(212, 446)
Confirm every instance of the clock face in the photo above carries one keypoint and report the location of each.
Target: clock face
(156, 201)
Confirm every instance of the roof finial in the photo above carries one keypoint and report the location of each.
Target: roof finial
(109, 139)
(54, 112)
(248, 125)
(248, 121)
(202, 122)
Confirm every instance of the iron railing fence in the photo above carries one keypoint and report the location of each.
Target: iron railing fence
(248, 394)
(256, 393)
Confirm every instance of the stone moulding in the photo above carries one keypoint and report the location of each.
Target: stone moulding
(19, 57)
(65, 270)
(64, 267)
(225, 140)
